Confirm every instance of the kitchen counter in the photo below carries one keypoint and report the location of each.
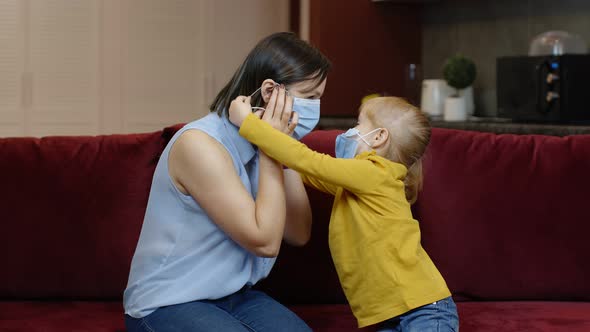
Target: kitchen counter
(493, 125)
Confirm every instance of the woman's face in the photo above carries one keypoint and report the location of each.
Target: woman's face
(307, 89)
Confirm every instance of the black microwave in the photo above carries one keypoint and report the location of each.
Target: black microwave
(551, 89)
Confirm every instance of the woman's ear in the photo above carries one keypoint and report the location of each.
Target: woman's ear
(266, 90)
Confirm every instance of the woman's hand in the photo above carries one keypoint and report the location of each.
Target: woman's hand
(279, 111)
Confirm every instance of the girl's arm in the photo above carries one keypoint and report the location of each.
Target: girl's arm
(318, 184)
(355, 175)
(200, 166)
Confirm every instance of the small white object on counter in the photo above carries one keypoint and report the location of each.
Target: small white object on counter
(455, 109)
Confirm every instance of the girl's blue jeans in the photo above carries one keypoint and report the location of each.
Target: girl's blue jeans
(440, 316)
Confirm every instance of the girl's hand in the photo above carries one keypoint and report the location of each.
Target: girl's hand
(279, 111)
(239, 110)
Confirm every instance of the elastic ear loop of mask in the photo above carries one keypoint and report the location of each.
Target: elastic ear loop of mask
(363, 138)
(256, 108)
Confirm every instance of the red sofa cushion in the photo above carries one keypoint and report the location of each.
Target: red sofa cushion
(506, 217)
(72, 209)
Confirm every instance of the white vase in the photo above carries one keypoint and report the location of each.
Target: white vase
(434, 93)
(455, 109)
(468, 94)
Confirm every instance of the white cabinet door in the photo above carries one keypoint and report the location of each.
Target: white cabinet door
(177, 54)
(162, 61)
(85, 67)
(232, 28)
(12, 67)
(63, 67)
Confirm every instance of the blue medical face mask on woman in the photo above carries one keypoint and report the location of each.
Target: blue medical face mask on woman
(308, 111)
(347, 143)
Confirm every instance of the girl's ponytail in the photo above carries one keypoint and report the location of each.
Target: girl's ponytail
(413, 181)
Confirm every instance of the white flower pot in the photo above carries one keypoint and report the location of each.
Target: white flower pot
(468, 94)
(455, 109)
(434, 93)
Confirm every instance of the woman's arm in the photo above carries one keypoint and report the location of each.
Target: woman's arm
(298, 224)
(200, 166)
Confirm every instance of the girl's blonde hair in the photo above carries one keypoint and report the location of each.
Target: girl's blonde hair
(409, 134)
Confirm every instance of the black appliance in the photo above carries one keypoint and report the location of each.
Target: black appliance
(554, 89)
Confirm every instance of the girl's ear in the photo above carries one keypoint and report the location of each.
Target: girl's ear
(381, 138)
(266, 90)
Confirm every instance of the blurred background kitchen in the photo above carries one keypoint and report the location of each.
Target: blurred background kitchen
(87, 67)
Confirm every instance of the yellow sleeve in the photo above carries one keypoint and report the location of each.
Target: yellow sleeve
(355, 175)
(318, 184)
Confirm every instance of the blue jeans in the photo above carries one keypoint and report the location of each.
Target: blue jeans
(247, 310)
(440, 316)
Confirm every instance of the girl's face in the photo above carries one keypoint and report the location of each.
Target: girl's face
(365, 127)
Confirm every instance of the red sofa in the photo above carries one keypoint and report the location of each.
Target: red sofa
(504, 217)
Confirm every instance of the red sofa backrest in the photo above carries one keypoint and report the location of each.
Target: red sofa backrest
(504, 217)
(71, 212)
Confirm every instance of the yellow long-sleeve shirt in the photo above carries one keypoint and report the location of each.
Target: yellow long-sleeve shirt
(374, 240)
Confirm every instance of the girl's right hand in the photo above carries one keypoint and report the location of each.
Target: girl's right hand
(279, 111)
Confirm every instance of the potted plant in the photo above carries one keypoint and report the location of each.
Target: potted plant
(460, 73)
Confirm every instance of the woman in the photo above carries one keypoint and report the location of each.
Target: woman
(219, 209)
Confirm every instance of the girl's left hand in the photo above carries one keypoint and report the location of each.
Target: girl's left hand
(239, 110)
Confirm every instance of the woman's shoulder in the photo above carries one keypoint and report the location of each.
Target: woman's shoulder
(197, 143)
(208, 128)
(205, 132)
(211, 121)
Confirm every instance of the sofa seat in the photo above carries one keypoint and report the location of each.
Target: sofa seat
(524, 316)
(79, 316)
(328, 317)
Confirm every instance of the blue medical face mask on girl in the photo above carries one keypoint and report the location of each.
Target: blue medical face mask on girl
(308, 111)
(347, 143)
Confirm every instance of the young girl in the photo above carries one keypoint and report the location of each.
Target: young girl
(386, 275)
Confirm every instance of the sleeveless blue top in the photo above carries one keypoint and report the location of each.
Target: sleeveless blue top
(182, 255)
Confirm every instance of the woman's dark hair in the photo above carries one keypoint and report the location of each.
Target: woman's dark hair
(282, 57)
